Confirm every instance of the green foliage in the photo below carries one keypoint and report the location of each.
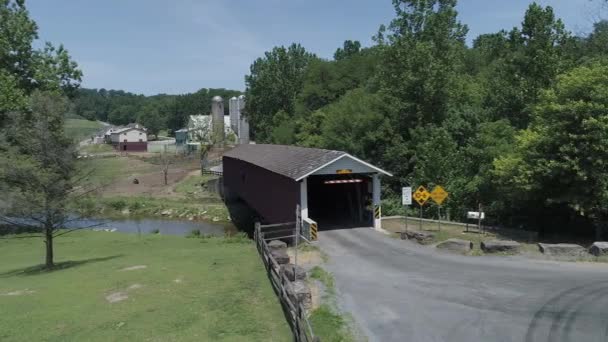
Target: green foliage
(117, 204)
(194, 233)
(273, 85)
(49, 68)
(326, 278)
(329, 325)
(563, 156)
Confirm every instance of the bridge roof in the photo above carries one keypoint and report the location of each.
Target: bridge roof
(291, 161)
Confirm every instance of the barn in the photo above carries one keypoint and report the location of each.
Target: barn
(333, 188)
(133, 139)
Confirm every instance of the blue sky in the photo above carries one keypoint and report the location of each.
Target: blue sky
(163, 46)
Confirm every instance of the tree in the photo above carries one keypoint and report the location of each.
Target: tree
(597, 42)
(47, 69)
(563, 157)
(37, 171)
(273, 85)
(151, 118)
(534, 59)
(349, 49)
(420, 63)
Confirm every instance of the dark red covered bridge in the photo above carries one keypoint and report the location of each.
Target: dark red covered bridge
(333, 188)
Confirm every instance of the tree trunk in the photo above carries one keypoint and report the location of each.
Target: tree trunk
(49, 262)
(165, 172)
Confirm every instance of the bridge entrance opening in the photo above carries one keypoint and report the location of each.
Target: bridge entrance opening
(340, 201)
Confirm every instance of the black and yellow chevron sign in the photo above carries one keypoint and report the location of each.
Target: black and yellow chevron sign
(377, 212)
(313, 231)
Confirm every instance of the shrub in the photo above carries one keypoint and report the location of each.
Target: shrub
(155, 231)
(194, 233)
(136, 205)
(118, 204)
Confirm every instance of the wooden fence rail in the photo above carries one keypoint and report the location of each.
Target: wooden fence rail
(294, 311)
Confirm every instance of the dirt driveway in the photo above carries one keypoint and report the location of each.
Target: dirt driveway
(398, 291)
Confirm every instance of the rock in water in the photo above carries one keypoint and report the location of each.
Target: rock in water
(456, 245)
(495, 246)
(562, 249)
(599, 248)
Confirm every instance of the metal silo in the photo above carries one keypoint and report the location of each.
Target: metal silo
(217, 120)
(233, 108)
(243, 121)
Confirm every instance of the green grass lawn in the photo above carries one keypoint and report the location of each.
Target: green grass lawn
(79, 129)
(189, 290)
(96, 148)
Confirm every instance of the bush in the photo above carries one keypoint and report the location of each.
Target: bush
(136, 205)
(155, 231)
(118, 204)
(194, 233)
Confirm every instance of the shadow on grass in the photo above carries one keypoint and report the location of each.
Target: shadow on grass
(41, 269)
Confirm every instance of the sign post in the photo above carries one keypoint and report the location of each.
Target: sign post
(421, 195)
(438, 195)
(406, 200)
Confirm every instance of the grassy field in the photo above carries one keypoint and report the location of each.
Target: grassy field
(120, 287)
(96, 148)
(79, 129)
(106, 170)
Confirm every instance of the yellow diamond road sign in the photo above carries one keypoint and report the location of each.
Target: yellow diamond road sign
(439, 194)
(421, 195)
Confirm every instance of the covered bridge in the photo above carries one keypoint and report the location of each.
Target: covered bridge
(333, 188)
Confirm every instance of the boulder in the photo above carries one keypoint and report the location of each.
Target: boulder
(456, 245)
(599, 248)
(495, 246)
(299, 292)
(166, 212)
(294, 272)
(280, 255)
(561, 249)
(276, 244)
(421, 237)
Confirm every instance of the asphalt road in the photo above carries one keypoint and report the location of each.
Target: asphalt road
(399, 291)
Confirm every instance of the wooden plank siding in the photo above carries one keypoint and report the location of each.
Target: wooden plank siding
(273, 196)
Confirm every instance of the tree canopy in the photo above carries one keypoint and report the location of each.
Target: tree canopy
(515, 121)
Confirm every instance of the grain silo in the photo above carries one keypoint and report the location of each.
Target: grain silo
(233, 109)
(217, 120)
(243, 126)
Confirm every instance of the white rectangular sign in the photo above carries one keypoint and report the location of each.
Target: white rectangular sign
(406, 195)
(474, 215)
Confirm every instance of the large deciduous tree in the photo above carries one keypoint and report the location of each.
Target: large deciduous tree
(563, 156)
(273, 85)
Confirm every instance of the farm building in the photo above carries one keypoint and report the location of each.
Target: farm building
(332, 188)
(129, 139)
